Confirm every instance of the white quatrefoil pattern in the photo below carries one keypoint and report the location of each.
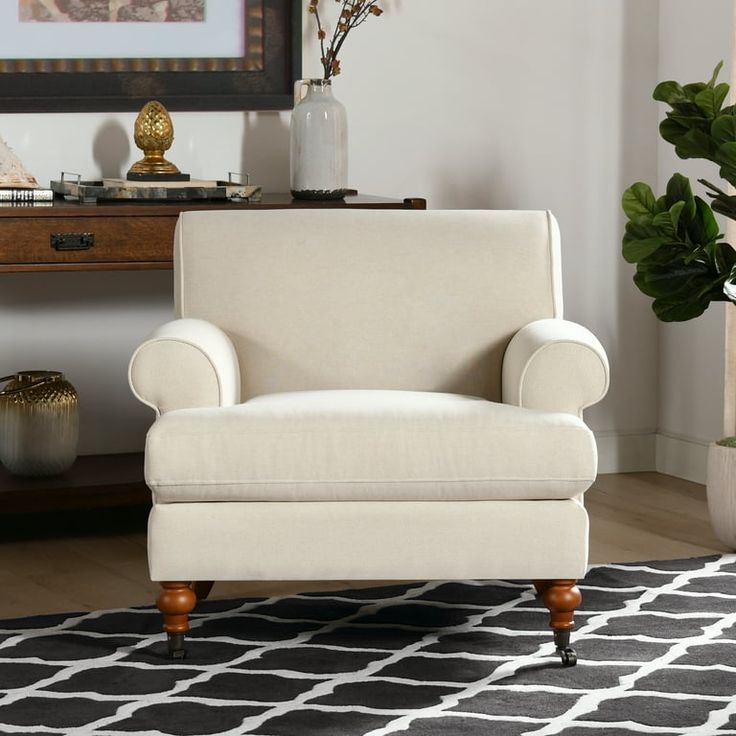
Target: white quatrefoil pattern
(656, 644)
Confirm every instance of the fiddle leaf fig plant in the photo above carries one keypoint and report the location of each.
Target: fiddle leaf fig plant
(681, 259)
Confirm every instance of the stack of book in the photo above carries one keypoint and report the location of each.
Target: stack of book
(18, 195)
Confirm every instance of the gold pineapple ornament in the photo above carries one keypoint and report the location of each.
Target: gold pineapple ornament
(153, 134)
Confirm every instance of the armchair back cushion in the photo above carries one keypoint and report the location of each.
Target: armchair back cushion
(379, 299)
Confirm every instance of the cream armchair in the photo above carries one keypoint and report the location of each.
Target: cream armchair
(368, 395)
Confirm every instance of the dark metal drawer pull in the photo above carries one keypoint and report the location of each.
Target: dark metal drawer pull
(72, 241)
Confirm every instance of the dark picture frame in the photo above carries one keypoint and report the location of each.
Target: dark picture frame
(263, 79)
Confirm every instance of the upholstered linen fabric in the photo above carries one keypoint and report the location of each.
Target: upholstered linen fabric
(368, 445)
(555, 365)
(410, 540)
(368, 349)
(185, 363)
(378, 299)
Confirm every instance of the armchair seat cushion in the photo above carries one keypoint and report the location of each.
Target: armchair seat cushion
(372, 445)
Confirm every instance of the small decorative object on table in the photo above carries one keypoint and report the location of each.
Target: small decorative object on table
(16, 184)
(319, 128)
(154, 134)
(158, 190)
(39, 423)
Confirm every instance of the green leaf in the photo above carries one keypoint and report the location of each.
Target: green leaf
(667, 222)
(669, 253)
(726, 153)
(725, 258)
(639, 200)
(726, 156)
(640, 230)
(670, 92)
(695, 255)
(716, 72)
(710, 252)
(695, 144)
(676, 311)
(723, 129)
(689, 115)
(670, 282)
(636, 250)
(711, 99)
(663, 224)
(675, 212)
(692, 89)
(679, 190)
(729, 174)
(681, 291)
(672, 131)
(721, 92)
(703, 229)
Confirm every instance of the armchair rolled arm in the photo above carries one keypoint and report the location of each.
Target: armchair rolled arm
(187, 363)
(554, 365)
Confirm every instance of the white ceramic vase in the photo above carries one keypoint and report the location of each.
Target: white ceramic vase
(319, 142)
(721, 487)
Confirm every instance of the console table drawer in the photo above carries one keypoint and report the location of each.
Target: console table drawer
(91, 240)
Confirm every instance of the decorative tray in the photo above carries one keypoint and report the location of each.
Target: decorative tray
(169, 191)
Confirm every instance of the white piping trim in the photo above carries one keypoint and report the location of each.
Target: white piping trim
(188, 343)
(567, 341)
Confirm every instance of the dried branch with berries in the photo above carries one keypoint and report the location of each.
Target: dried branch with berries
(352, 14)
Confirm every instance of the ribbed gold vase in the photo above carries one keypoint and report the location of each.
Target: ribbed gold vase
(39, 423)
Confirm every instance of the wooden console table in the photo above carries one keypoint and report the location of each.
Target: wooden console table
(124, 236)
(109, 237)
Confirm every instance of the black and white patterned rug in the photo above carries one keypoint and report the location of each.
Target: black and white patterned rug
(656, 644)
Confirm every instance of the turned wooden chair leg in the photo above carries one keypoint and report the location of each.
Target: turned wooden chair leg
(561, 597)
(202, 588)
(541, 586)
(175, 602)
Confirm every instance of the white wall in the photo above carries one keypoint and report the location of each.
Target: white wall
(694, 37)
(500, 103)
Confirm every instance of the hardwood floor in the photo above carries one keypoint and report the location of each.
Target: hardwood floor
(648, 516)
(97, 559)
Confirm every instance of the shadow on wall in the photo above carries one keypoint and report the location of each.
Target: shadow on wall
(111, 149)
(87, 325)
(36, 295)
(266, 150)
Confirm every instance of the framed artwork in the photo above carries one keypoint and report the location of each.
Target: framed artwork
(116, 55)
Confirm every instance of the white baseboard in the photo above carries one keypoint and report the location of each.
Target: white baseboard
(683, 457)
(626, 452)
